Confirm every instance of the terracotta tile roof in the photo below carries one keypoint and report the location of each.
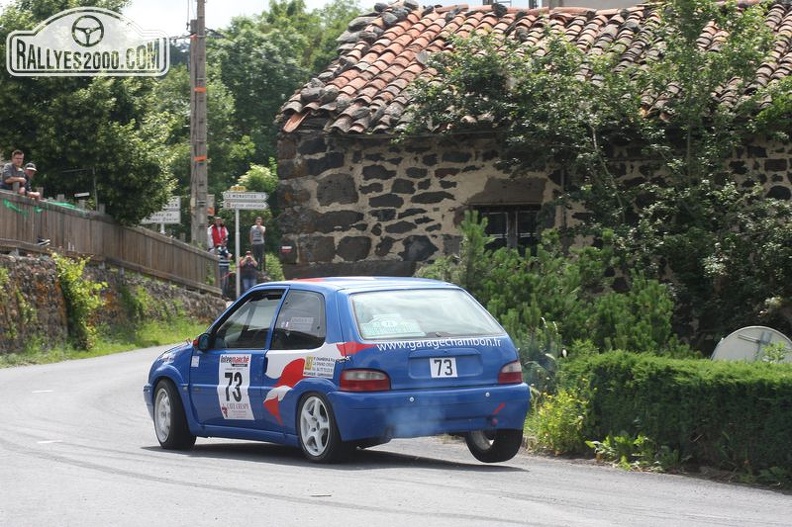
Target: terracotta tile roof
(364, 90)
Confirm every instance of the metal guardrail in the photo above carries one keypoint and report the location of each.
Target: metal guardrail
(76, 232)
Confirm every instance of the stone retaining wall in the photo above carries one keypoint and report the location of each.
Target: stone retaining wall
(33, 309)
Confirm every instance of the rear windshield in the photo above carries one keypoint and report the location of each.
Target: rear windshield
(419, 313)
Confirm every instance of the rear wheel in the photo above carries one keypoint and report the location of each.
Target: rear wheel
(317, 431)
(494, 446)
(170, 422)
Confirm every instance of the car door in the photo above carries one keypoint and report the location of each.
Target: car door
(297, 350)
(226, 378)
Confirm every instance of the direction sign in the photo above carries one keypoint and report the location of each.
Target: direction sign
(170, 213)
(245, 200)
(174, 203)
(246, 205)
(248, 196)
(163, 216)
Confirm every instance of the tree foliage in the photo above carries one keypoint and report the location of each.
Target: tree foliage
(263, 59)
(690, 220)
(127, 141)
(85, 134)
(559, 295)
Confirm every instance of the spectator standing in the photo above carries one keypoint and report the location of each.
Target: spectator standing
(16, 179)
(13, 175)
(248, 271)
(257, 232)
(30, 171)
(218, 238)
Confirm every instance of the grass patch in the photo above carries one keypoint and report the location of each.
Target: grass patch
(146, 335)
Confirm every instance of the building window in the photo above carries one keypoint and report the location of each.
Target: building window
(514, 227)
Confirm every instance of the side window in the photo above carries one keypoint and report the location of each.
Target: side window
(301, 322)
(248, 326)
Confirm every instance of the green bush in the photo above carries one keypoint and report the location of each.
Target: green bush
(571, 292)
(540, 352)
(557, 424)
(730, 415)
(274, 267)
(83, 298)
(134, 300)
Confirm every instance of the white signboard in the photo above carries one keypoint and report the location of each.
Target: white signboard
(246, 205)
(164, 216)
(170, 213)
(174, 203)
(245, 200)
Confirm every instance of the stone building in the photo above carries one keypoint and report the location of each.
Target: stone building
(354, 202)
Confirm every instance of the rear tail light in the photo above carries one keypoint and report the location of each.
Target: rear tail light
(364, 381)
(511, 373)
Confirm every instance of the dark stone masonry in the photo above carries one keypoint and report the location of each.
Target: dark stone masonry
(367, 206)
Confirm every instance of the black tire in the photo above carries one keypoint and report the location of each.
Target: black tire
(170, 422)
(317, 431)
(494, 446)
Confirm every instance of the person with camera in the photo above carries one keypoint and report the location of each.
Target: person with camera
(248, 269)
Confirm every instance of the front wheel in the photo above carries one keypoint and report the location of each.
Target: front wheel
(170, 422)
(317, 431)
(494, 446)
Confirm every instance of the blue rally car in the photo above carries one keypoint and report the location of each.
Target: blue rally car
(334, 364)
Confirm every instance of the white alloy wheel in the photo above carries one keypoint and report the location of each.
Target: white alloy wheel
(318, 432)
(314, 426)
(170, 421)
(162, 416)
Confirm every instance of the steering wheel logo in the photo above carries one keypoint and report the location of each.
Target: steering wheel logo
(87, 31)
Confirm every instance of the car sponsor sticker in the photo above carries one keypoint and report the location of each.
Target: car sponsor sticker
(302, 324)
(232, 386)
(392, 326)
(441, 343)
(319, 367)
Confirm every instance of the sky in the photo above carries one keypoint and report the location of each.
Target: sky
(172, 16)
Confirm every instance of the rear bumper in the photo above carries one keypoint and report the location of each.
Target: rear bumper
(386, 415)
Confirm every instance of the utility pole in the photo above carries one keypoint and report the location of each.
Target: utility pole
(198, 172)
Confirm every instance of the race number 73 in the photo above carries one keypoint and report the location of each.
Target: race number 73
(234, 386)
(443, 367)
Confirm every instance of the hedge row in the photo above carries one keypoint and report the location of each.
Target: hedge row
(721, 414)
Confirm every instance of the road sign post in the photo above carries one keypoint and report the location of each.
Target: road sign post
(241, 200)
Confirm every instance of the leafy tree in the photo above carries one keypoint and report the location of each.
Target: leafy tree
(85, 134)
(263, 59)
(690, 221)
(229, 150)
(127, 140)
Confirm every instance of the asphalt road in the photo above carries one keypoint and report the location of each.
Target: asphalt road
(77, 448)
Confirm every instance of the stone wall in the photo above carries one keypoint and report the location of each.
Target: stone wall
(360, 205)
(368, 207)
(33, 308)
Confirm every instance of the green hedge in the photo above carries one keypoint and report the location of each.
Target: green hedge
(722, 414)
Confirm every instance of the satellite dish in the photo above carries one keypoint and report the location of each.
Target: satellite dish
(748, 344)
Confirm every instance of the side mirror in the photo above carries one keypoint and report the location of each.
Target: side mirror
(202, 342)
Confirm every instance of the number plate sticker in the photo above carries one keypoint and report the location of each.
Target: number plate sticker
(443, 367)
(232, 387)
